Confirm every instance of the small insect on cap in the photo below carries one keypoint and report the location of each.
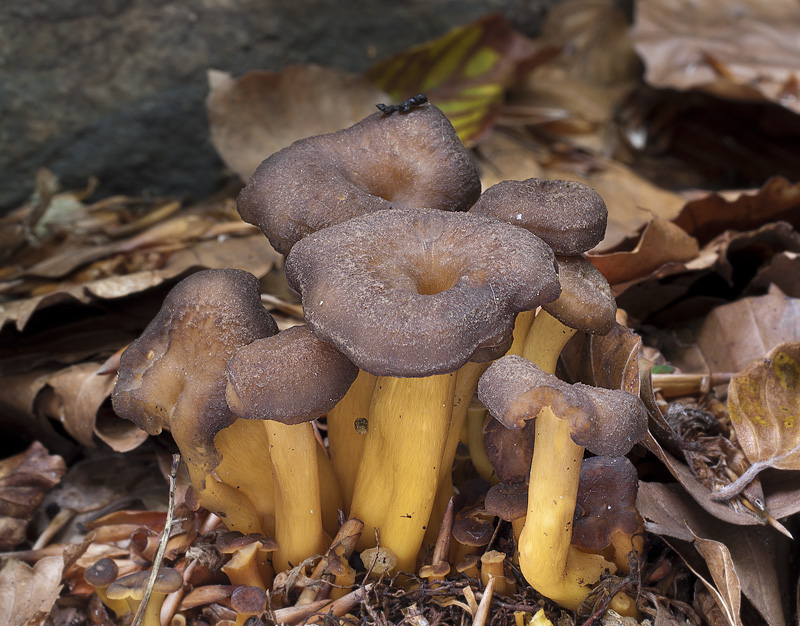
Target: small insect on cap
(408, 160)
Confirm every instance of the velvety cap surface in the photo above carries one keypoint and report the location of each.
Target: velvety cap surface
(604, 421)
(173, 375)
(606, 501)
(101, 573)
(403, 160)
(291, 377)
(508, 501)
(570, 216)
(586, 302)
(417, 292)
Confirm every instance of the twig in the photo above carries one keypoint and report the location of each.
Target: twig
(162, 543)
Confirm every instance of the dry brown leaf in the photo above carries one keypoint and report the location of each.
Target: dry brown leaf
(735, 334)
(728, 591)
(610, 361)
(252, 253)
(24, 481)
(632, 201)
(662, 249)
(782, 271)
(746, 50)
(708, 217)
(670, 512)
(27, 594)
(263, 112)
(764, 404)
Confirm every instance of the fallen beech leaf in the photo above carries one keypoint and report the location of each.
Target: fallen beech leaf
(747, 50)
(27, 593)
(465, 72)
(764, 405)
(670, 512)
(262, 112)
(777, 200)
(250, 252)
(24, 481)
(610, 361)
(663, 248)
(728, 591)
(735, 334)
(632, 201)
(783, 271)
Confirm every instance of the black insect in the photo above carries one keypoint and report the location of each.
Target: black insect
(403, 107)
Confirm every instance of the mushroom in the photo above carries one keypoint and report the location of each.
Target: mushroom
(100, 575)
(509, 502)
(248, 561)
(173, 377)
(248, 602)
(472, 533)
(569, 216)
(407, 160)
(131, 589)
(345, 438)
(411, 296)
(288, 380)
(606, 422)
(606, 520)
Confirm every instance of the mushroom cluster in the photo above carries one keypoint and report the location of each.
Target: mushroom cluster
(414, 286)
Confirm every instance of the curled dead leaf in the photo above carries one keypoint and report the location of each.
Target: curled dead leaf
(735, 334)
(29, 592)
(24, 481)
(263, 112)
(663, 248)
(746, 50)
(764, 404)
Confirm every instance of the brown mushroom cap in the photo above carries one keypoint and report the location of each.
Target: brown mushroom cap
(606, 501)
(604, 421)
(291, 377)
(473, 531)
(586, 302)
(173, 375)
(508, 501)
(405, 160)
(233, 541)
(101, 573)
(570, 216)
(418, 292)
(249, 600)
(133, 585)
(509, 451)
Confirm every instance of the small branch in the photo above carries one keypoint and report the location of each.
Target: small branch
(162, 543)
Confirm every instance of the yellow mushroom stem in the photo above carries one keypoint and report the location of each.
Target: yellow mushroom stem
(345, 441)
(547, 559)
(398, 476)
(246, 467)
(466, 384)
(243, 567)
(476, 415)
(298, 512)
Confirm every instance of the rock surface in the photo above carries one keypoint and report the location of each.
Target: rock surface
(116, 88)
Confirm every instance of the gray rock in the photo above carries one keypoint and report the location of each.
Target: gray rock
(116, 88)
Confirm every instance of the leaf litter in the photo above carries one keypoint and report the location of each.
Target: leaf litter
(704, 274)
